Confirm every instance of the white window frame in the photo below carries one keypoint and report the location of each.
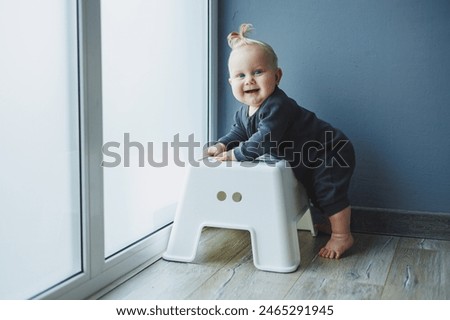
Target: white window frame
(99, 275)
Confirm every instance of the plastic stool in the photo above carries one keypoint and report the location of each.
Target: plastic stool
(261, 197)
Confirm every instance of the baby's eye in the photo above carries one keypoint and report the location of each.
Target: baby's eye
(240, 76)
(258, 72)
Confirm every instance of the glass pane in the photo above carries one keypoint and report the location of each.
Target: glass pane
(154, 65)
(40, 233)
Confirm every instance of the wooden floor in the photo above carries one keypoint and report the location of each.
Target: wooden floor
(377, 267)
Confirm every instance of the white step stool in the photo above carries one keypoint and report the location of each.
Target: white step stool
(261, 197)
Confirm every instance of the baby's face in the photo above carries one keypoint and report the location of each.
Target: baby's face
(252, 78)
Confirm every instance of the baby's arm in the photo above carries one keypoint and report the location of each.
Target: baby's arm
(222, 150)
(274, 121)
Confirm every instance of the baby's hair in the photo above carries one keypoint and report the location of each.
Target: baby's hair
(239, 39)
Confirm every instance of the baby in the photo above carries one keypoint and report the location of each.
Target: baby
(269, 122)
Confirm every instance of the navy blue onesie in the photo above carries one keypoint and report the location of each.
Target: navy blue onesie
(321, 156)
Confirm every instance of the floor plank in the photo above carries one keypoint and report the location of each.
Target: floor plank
(173, 280)
(444, 290)
(441, 263)
(361, 274)
(312, 288)
(367, 262)
(425, 244)
(414, 274)
(377, 267)
(234, 280)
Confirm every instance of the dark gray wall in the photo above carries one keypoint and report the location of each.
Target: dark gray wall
(379, 70)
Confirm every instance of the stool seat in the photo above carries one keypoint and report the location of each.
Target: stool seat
(262, 197)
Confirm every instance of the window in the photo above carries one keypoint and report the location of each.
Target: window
(40, 232)
(154, 93)
(89, 73)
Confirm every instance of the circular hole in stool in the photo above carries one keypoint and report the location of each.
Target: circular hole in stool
(236, 197)
(221, 196)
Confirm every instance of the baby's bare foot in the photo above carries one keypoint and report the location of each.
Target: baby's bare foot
(337, 245)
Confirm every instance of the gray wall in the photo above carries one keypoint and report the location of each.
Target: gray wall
(379, 70)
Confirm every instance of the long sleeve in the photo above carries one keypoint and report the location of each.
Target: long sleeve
(274, 120)
(237, 133)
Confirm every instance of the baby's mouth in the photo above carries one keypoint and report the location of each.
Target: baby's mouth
(251, 91)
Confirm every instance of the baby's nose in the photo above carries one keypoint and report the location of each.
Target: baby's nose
(249, 79)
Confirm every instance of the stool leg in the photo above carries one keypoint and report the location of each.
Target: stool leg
(276, 249)
(306, 223)
(184, 239)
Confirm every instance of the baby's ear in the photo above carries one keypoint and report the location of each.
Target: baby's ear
(278, 75)
(229, 81)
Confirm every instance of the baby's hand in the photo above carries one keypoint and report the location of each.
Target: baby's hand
(216, 149)
(226, 156)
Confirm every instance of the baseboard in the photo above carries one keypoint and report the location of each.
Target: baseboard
(430, 225)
